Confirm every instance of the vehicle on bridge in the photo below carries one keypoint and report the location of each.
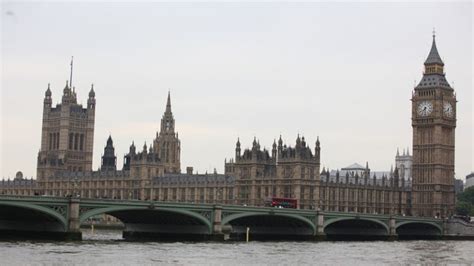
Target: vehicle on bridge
(281, 202)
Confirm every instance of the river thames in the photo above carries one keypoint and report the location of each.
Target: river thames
(107, 248)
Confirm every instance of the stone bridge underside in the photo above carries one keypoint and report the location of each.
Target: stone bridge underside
(356, 229)
(161, 225)
(23, 222)
(417, 230)
(270, 227)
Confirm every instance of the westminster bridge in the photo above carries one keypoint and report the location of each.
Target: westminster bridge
(59, 217)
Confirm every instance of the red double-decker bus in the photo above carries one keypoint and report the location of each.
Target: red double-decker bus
(282, 202)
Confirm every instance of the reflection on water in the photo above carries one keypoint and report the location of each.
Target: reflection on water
(108, 248)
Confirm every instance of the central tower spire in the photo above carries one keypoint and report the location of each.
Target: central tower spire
(167, 144)
(167, 122)
(168, 103)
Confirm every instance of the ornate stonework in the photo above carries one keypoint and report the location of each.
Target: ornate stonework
(434, 122)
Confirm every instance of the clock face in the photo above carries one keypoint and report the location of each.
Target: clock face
(425, 108)
(448, 109)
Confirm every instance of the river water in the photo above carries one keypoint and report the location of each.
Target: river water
(106, 248)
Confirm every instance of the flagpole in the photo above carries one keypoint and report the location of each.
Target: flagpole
(70, 79)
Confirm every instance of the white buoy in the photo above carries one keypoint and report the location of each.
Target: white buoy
(92, 229)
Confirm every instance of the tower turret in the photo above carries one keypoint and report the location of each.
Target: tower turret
(91, 100)
(67, 136)
(280, 144)
(237, 149)
(317, 151)
(274, 149)
(47, 98)
(109, 160)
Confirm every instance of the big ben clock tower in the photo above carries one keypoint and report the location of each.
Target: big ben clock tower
(434, 122)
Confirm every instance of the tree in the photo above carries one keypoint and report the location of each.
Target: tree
(467, 195)
(465, 202)
(463, 208)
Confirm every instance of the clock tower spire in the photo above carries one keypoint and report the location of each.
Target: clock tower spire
(434, 123)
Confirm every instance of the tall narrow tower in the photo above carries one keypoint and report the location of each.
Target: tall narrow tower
(166, 143)
(433, 122)
(67, 135)
(109, 160)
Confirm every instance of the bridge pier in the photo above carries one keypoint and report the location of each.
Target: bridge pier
(319, 222)
(392, 232)
(217, 234)
(73, 229)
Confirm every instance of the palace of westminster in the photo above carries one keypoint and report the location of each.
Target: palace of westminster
(421, 184)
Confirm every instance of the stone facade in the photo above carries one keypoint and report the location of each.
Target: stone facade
(289, 172)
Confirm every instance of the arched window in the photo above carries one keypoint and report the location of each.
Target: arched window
(76, 141)
(57, 140)
(81, 146)
(71, 137)
(50, 141)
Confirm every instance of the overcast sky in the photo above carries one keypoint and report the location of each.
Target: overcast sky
(343, 72)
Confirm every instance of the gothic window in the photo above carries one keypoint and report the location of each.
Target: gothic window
(287, 191)
(183, 194)
(165, 194)
(191, 194)
(53, 141)
(288, 172)
(174, 193)
(211, 194)
(201, 195)
(50, 141)
(244, 192)
(76, 140)
(81, 146)
(230, 194)
(71, 137)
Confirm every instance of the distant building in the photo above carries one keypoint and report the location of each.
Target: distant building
(470, 180)
(458, 186)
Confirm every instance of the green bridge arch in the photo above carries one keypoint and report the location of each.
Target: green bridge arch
(439, 227)
(334, 220)
(236, 216)
(106, 210)
(51, 212)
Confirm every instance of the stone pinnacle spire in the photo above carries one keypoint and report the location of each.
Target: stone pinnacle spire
(168, 103)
